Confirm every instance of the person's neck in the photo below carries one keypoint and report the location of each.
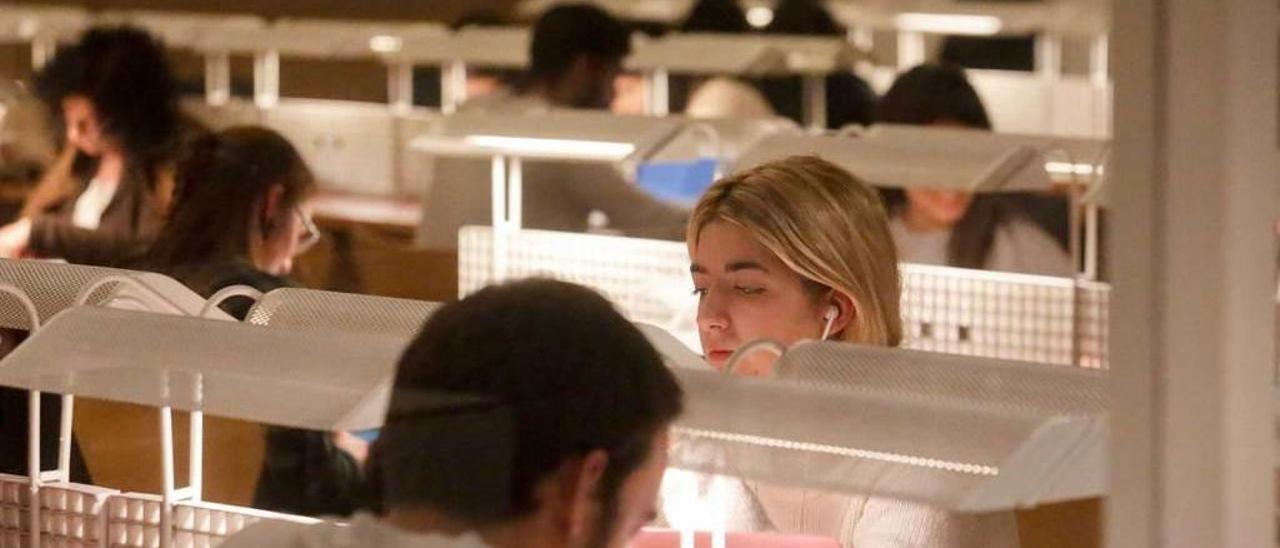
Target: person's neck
(110, 168)
(918, 221)
(549, 93)
(528, 531)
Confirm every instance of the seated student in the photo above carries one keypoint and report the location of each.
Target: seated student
(575, 54)
(800, 249)
(556, 437)
(954, 228)
(718, 96)
(239, 217)
(103, 199)
(850, 100)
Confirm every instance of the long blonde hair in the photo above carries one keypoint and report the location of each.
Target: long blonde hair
(824, 224)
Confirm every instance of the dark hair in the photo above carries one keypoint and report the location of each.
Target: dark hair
(568, 31)
(124, 73)
(574, 375)
(929, 94)
(222, 180)
(724, 16)
(803, 17)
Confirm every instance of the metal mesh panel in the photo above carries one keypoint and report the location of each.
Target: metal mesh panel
(959, 380)
(341, 311)
(51, 286)
(13, 511)
(648, 280)
(203, 524)
(944, 309)
(73, 515)
(133, 520)
(1004, 315)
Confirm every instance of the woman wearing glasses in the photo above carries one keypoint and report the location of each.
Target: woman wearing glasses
(239, 217)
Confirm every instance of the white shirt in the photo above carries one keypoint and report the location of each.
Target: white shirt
(692, 500)
(1019, 246)
(363, 531)
(87, 213)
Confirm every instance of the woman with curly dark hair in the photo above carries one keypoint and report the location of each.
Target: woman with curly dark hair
(104, 198)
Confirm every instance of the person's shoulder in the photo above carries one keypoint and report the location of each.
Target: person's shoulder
(280, 534)
(1032, 249)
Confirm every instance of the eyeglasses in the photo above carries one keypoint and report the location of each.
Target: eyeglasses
(310, 234)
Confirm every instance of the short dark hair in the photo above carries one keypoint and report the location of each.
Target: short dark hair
(928, 94)
(722, 16)
(568, 31)
(124, 73)
(803, 17)
(573, 374)
(220, 180)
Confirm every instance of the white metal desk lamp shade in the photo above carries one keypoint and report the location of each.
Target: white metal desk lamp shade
(562, 135)
(309, 378)
(917, 157)
(955, 433)
(43, 289)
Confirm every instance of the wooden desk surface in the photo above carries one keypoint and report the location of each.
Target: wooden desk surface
(390, 212)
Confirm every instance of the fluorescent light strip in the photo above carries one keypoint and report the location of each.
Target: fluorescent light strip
(941, 23)
(385, 44)
(1067, 168)
(604, 150)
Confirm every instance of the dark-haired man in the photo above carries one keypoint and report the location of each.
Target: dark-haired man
(574, 55)
(530, 414)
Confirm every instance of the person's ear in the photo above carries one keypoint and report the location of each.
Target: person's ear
(579, 489)
(846, 312)
(272, 209)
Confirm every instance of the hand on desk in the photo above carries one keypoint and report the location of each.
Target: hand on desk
(352, 444)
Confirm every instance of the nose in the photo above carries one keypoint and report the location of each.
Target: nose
(713, 314)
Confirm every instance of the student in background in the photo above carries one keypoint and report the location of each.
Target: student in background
(575, 54)
(850, 100)
(800, 249)
(556, 437)
(954, 228)
(240, 215)
(102, 201)
(721, 96)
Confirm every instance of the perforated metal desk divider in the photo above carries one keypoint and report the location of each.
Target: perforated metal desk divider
(42, 290)
(648, 280)
(338, 380)
(1005, 315)
(960, 434)
(346, 312)
(944, 309)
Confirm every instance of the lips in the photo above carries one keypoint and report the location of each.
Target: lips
(718, 356)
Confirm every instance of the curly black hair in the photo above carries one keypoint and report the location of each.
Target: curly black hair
(123, 71)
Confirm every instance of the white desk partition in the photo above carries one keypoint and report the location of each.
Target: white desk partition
(350, 147)
(944, 309)
(960, 434)
(34, 292)
(334, 380)
(917, 157)
(43, 27)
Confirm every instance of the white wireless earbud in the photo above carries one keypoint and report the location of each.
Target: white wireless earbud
(829, 316)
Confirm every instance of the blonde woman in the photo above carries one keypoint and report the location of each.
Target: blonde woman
(800, 249)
